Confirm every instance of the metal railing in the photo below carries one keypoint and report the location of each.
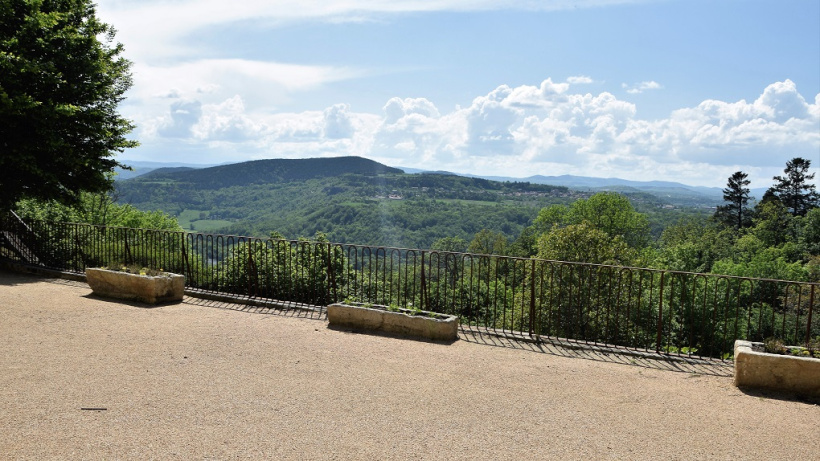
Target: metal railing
(646, 309)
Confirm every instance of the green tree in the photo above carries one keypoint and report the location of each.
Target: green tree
(608, 212)
(810, 235)
(612, 213)
(451, 244)
(99, 209)
(693, 245)
(735, 213)
(794, 189)
(585, 243)
(772, 223)
(61, 79)
(487, 242)
(551, 216)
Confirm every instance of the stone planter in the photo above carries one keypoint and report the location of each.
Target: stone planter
(404, 322)
(753, 369)
(148, 289)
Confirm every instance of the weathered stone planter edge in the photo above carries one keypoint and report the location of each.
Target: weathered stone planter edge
(439, 327)
(787, 373)
(165, 288)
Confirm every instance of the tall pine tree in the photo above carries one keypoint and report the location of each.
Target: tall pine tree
(794, 189)
(736, 195)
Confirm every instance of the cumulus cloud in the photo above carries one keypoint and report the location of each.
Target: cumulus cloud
(337, 123)
(183, 115)
(525, 130)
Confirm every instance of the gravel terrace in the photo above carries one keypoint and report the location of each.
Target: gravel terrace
(86, 378)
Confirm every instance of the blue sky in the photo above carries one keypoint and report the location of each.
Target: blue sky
(682, 90)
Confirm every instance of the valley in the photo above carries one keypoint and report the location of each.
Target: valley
(354, 200)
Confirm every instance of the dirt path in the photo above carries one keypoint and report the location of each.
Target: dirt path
(86, 378)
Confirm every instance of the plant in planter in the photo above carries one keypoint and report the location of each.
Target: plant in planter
(404, 321)
(776, 346)
(136, 283)
(773, 365)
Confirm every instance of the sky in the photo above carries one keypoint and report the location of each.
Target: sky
(677, 90)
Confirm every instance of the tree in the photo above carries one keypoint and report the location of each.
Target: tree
(736, 194)
(98, 209)
(773, 224)
(61, 79)
(810, 237)
(450, 244)
(487, 242)
(585, 243)
(794, 190)
(609, 212)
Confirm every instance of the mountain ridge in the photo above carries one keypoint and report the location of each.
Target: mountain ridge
(279, 170)
(269, 171)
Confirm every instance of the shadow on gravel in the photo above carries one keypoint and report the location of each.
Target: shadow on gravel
(356, 331)
(779, 395)
(486, 337)
(564, 348)
(467, 333)
(257, 306)
(10, 278)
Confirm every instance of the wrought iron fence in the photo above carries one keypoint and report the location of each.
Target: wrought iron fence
(646, 309)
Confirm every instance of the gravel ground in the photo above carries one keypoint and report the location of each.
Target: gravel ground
(86, 378)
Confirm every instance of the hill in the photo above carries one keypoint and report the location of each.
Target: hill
(352, 199)
(271, 171)
(674, 193)
(355, 200)
(139, 167)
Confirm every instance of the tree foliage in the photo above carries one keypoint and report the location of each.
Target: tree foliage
(736, 195)
(585, 243)
(608, 212)
(61, 79)
(99, 209)
(794, 189)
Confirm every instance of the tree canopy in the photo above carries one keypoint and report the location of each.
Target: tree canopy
(608, 212)
(736, 195)
(794, 189)
(61, 79)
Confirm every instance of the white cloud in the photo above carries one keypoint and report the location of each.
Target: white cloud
(522, 131)
(579, 80)
(231, 76)
(337, 123)
(158, 23)
(641, 87)
(183, 115)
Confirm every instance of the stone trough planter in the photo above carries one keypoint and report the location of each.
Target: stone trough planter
(761, 370)
(403, 322)
(149, 289)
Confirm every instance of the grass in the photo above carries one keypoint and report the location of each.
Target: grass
(197, 221)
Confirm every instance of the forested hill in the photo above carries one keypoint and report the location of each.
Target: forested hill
(269, 171)
(351, 199)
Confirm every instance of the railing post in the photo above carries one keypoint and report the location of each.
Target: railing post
(532, 298)
(186, 265)
(423, 295)
(128, 258)
(331, 278)
(660, 317)
(811, 309)
(251, 271)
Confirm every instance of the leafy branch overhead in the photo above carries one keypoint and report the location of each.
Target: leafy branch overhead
(62, 77)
